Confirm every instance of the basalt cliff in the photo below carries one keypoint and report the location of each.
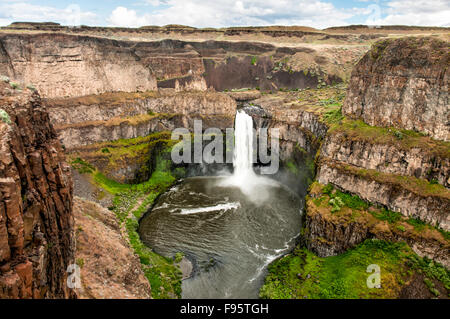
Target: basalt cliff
(36, 221)
(86, 116)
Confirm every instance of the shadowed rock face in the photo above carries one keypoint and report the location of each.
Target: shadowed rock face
(403, 83)
(36, 222)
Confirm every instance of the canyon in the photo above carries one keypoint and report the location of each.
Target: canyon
(363, 116)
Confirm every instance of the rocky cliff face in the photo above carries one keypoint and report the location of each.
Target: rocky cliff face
(329, 233)
(76, 65)
(61, 65)
(429, 161)
(395, 193)
(93, 119)
(36, 222)
(403, 83)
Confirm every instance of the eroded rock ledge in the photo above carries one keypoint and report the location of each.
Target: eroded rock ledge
(409, 196)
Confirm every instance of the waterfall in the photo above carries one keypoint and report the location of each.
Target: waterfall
(243, 146)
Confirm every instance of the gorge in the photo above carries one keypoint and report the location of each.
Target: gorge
(86, 169)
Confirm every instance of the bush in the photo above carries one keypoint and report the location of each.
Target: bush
(333, 117)
(337, 204)
(14, 85)
(178, 257)
(5, 117)
(31, 88)
(398, 135)
(328, 189)
(387, 215)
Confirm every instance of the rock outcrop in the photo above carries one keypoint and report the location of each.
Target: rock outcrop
(331, 233)
(36, 222)
(109, 267)
(67, 65)
(394, 192)
(418, 157)
(113, 116)
(403, 83)
(63, 65)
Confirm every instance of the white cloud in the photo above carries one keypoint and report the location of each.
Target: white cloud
(417, 12)
(221, 13)
(124, 17)
(20, 11)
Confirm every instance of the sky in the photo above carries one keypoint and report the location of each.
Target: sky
(224, 13)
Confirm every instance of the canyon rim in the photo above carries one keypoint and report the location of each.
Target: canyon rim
(324, 166)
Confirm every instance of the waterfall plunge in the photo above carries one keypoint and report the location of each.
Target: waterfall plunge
(256, 188)
(243, 148)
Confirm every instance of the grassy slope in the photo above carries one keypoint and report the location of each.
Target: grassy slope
(304, 275)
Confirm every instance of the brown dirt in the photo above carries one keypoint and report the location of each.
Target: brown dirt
(109, 267)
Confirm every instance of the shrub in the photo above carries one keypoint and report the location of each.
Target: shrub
(178, 257)
(14, 85)
(387, 215)
(31, 88)
(5, 117)
(333, 116)
(328, 189)
(337, 204)
(417, 223)
(5, 79)
(398, 135)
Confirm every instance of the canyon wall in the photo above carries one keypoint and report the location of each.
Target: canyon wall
(36, 222)
(65, 65)
(403, 83)
(93, 119)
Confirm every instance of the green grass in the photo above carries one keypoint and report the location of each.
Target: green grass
(387, 215)
(164, 277)
(357, 130)
(5, 117)
(340, 199)
(304, 275)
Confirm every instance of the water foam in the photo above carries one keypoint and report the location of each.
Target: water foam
(224, 207)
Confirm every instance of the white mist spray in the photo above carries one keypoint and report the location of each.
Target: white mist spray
(256, 188)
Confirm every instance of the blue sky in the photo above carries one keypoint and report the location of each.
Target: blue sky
(222, 13)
